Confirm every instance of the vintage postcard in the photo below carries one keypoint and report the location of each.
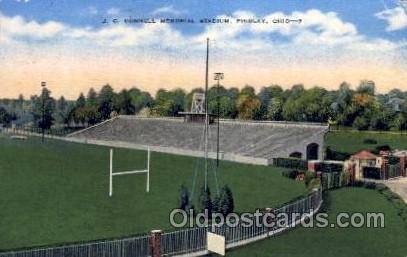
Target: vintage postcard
(203, 128)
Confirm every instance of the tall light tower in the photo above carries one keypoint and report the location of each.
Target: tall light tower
(206, 114)
(218, 76)
(43, 85)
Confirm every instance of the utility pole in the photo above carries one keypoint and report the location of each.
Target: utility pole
(218, 76)
(43, 85)
(206, 115)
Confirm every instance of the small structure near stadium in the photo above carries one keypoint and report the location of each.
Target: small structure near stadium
(385, 165)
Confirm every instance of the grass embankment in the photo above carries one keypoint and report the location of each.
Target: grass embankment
(351, 141)
(337, 242)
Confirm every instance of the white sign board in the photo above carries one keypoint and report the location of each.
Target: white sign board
(216, 243)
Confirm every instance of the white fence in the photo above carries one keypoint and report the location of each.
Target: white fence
(192, 242)
(129, 247)
(187, 242)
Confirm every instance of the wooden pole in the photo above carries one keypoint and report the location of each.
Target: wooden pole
(148, 171)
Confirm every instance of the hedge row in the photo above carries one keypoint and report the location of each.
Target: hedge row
(329, 167)
(292, 163)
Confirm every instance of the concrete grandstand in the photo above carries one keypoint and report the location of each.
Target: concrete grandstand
(240, 141)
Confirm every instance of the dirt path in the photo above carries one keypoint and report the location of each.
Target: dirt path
(398, 186)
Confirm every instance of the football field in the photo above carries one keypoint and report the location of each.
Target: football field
(57, 192)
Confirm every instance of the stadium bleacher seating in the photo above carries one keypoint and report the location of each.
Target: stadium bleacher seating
(252, 139)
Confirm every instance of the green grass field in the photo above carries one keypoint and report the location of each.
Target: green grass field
(57, 192)
(390, 241)
(351, 141)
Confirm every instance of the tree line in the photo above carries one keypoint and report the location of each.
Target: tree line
(361, 108)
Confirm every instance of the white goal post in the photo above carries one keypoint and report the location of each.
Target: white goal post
(112, 174)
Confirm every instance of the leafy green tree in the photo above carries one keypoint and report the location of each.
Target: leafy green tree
(275, 109)
(140, 99)
(310, 105)
(81, 101)
(395, 93)
(267, 93)
(20, 104)
(399, 122)
(92, 97)
(205, 202)
(225, 204)
(366, 87)
(80, 115)
(216, 205)
(227, 107)
(124, 104)
(379, 120)
(344, 95)
(265, 96)
(169, 103)
(360, 123)
(295, 91)
(61, 111)
(105, 99)
(183, 200)
(248, 105)
(5, 117)
(248, 90)
(43, 109)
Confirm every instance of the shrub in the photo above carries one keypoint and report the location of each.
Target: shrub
(293, 163)
(370, 185)
(309, 176)
(383, 148)
(370, 141)
(290, 173)
(314, 183)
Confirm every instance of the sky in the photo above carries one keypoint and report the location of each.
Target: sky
(319, 43)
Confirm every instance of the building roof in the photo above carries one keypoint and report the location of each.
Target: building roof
(364, 155)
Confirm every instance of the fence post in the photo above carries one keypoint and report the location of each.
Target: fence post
(315, 198)
(271, 219)
(403, 164)
(155, 243)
